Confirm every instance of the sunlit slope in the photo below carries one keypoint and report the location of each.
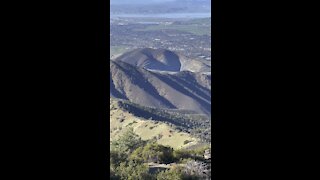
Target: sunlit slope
(163, 132)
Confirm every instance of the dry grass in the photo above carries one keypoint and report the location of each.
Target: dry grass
(147, 129)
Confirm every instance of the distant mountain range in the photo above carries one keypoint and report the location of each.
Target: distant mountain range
(159, 6)
(132, 2)
(181, 90)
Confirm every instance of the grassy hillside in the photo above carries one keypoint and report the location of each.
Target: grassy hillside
(164, 127)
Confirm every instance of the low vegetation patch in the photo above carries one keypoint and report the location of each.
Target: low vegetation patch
(132, 158)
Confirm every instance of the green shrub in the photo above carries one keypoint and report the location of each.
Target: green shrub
(171, 174)
(133, 171)
(154, 152)
(128, 142)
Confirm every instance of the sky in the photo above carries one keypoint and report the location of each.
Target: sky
(137, 1)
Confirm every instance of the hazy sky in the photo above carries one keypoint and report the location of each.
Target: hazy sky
(138, 1)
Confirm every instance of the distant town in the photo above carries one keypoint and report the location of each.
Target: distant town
(191, 37)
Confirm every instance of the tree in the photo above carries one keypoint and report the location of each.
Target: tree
(116, 157)
(133, 171)
(197, 170)
(171, 174)
(136, 155)
(127, 143)
(154, 152)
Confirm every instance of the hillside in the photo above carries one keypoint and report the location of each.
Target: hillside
(162, 60)
(182, 90)
(124, 115)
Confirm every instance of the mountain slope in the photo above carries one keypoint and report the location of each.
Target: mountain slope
(123, 116)
(162, 60)
(182, 90)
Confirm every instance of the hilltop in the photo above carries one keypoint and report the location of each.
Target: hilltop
(182, 90)
(162, 60)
